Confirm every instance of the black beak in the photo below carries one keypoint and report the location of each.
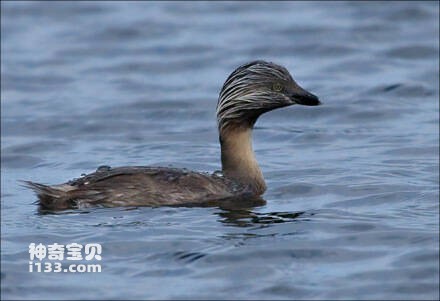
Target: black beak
(305, 98)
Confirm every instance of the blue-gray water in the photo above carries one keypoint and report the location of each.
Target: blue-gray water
(353, 185)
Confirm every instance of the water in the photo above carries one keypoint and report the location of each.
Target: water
(353, 185)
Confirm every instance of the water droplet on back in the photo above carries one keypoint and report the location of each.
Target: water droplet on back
(103, 168)
(218, 173)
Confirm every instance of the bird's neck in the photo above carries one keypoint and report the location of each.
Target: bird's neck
(238, 158)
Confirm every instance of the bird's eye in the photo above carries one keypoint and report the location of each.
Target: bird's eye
(277, 87)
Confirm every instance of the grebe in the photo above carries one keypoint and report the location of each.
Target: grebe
(251, 90)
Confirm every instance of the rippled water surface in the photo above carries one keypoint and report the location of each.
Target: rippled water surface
(353, 185)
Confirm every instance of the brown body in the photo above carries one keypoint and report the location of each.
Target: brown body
(251, 90)
(139, 186)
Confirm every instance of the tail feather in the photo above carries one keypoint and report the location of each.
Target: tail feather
(49, 196)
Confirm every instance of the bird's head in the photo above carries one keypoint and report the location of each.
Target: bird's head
(255, 88)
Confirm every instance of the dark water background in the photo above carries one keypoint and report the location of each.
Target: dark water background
(353, 200)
